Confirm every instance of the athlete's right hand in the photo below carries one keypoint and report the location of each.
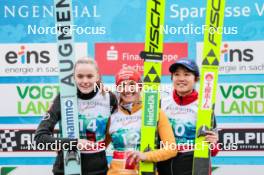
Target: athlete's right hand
(135, 157)
(211, 137)
(84, 144)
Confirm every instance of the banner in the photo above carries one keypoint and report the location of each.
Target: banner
(242, 139)
(20, 140)
(240, 99)
(27, 99)
(113, 33)
(32, 59)
(24, 170)
(126, 55)
(238, 170)
(240, 57)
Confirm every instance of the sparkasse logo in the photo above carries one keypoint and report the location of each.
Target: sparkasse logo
(26, 56)
(235, 54)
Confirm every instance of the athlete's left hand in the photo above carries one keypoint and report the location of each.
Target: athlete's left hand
(136, 156)
(211, 137)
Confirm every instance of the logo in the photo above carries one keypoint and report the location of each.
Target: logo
(232, 54)
(208, 90)
(112, 54)
(215, 19)
(7, 170)
(18, 140)
(127, 55)
(69, 114)
(8, 140)
(46, 116)
(154, 33)
(247, 139)
(150, 111)
(152, 76)
(26, 56)
(210, 59)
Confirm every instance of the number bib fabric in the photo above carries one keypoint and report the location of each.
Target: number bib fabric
(93, 117)
(125, 131)
(182, 119)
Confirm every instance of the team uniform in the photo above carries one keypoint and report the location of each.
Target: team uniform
(182, 114)
(94, 110)
(124, 130)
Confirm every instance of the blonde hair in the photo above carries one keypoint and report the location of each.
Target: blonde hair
(91, 61)
(86, 60)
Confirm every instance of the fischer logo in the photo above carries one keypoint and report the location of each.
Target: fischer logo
(27, 56)
(154, 32)
(232, 55)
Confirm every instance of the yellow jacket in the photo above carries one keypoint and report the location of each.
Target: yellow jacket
(117, 166)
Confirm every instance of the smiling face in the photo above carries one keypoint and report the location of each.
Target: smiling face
(183, 81)
(129, 91)
(86, 76)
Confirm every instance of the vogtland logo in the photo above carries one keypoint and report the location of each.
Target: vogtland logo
(26, 56)
(229, 54)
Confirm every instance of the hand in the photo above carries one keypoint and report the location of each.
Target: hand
(135, 157)
(84, 144)
(211, 137)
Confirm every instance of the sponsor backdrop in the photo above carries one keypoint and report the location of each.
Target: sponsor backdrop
(113, 33)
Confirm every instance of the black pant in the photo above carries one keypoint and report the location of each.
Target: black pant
(179, 165)
(92, 164)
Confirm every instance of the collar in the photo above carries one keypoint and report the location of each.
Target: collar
(131, 107)
(180, 100)
(86, 96)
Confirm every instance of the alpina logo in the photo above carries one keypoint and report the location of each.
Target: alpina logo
(27, 56)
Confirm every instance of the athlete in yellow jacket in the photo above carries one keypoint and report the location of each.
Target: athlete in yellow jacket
(125, 125)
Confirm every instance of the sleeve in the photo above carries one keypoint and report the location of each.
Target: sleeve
(113, 102)
(108, 138)
(113, 105)
(44, 132)
(167, 138)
